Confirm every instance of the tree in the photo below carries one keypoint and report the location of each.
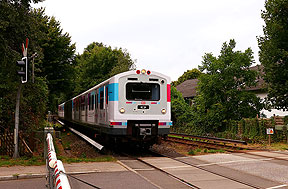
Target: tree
(58, 63)
(98, 63)
(17, 23)
(181, 113)
(274, 51)
(221, 89)
(189, 74)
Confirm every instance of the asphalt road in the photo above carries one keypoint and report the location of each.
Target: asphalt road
(266, 171)
(125, 179)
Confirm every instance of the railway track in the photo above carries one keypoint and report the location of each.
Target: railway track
(181, 170)
(209, 142)
(151, 167)
(175, 164)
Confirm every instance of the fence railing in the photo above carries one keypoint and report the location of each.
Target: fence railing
(7, 145)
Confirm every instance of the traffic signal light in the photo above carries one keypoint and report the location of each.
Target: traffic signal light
(23, 72)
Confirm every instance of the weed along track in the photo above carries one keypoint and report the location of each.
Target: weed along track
(208, 142)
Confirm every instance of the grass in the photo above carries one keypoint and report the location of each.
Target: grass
(65, 140)
(216, 151)
(204, 151)
(279, 146)
(191, 152)
(83, 159)
(187, 138)
(6, 161)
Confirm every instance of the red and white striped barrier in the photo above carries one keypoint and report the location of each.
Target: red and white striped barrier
(52, 159)
(61, 180)
(51, 151)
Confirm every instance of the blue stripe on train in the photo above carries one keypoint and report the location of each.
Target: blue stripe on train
(113, 92)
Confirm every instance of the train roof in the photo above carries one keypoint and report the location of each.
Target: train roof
(116, 77)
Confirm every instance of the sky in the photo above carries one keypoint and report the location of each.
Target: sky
(167, 36)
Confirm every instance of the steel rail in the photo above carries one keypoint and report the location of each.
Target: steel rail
(204, 144)
(224, 140)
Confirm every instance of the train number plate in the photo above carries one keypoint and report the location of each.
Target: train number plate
(143, 107)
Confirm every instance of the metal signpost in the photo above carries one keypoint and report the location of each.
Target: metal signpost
(23, 64)
(270, 131)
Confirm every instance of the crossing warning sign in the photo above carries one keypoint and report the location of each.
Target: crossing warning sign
(270, 131)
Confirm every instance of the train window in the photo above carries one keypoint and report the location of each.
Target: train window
(101, 99)
(143, 91)
(96, 101)
(106, 94)
(89, 101)
(77, 105)
(92, 102)
(83, 103)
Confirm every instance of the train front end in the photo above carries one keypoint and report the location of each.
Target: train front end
(144, 105)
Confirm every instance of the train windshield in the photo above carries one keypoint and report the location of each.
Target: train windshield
(143, 91)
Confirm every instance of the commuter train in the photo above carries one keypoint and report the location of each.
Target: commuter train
(130, 106)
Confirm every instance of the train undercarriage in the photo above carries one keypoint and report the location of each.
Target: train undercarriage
(139, 133)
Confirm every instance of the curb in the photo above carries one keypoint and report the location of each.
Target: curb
(21, 176)
(31, 176)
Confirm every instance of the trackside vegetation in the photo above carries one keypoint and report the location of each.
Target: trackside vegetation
(222, 106)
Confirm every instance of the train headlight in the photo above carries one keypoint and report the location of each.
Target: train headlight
(163, 111)
(143, 71)
(122, 110)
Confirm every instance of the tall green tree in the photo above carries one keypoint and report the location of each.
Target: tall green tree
(221, 89)
(58, 63)
(98, 63)
(189, 74)
(274, 51)
(17, 24)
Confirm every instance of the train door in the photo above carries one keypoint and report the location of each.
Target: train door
(76, 112)
(82, 111)
(91, 109)
(86, 108)
(97, 107)
(106, 103)
(79, 109)
(73, 110)
(102, 106)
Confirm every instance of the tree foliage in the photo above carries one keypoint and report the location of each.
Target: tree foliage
(17, 23)
(274, 51)
(221, 90)
(189, 74)
(58, 63)
(98, 63)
